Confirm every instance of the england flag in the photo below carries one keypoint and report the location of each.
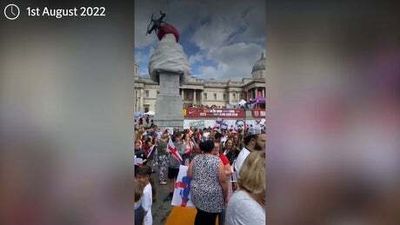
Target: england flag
(174, 151)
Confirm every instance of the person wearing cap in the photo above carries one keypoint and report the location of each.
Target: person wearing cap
(254, 141)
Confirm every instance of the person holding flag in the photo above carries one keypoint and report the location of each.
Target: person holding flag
(175, 148)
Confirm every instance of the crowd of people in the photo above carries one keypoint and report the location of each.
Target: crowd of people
(251, 104)
(226, 167)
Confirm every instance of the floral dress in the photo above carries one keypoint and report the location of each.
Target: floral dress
(162, 161)
(207, 193)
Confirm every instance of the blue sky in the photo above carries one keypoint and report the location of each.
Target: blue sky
(222, 39)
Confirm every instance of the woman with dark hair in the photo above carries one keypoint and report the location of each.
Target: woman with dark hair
(139, 155)
(230, 151)
(142, 176)
(148, 148)
(162, 158)
(188, 145)
(147, 145)
(208, 185)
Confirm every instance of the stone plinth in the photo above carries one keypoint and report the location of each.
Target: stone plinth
(169, 103)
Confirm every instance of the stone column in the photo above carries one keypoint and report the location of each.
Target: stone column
(194, 97)
(141, 101)
(201, 97)
(169, 104)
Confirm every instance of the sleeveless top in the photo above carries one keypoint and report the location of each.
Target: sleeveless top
(188, 147)
(207, 193)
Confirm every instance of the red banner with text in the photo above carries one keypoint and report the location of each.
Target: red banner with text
(212, 113)
(257, 113)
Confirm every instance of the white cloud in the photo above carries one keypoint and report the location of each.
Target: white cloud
(242, 54)
(139, 57)
(198, 57)
(213, 34)
(225, 17)
(233, 61)
(243, 20)
(209, 72)
(231, 34)
(151, 50)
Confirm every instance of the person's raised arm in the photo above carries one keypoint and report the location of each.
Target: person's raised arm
(190, 170)
(223, 180)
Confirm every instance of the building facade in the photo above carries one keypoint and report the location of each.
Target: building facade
(197, 92)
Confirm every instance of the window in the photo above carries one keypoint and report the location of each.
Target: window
(234, 96)
(146, 108)
(215, 96)
(205, 96)
(224, 96)
(147, 93)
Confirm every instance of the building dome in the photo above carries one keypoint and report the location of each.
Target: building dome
(259, 68)
(260, 64)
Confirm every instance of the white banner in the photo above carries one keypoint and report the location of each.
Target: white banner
(224, 124)
(197, 124)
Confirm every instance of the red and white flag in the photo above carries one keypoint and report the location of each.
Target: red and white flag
(150, 151)
(173, 150)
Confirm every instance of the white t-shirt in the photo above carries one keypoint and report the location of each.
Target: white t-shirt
(244, 210)
(240, 160)
(147, 201)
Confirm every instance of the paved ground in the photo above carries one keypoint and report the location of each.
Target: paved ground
(160, 208)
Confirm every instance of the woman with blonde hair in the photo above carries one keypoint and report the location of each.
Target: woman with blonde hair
(247, 205)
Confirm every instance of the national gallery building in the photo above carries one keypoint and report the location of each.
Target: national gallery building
(198, 92)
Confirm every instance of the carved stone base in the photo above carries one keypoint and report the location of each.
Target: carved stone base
(169, 103)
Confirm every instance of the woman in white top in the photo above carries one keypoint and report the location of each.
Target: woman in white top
(247, 205)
